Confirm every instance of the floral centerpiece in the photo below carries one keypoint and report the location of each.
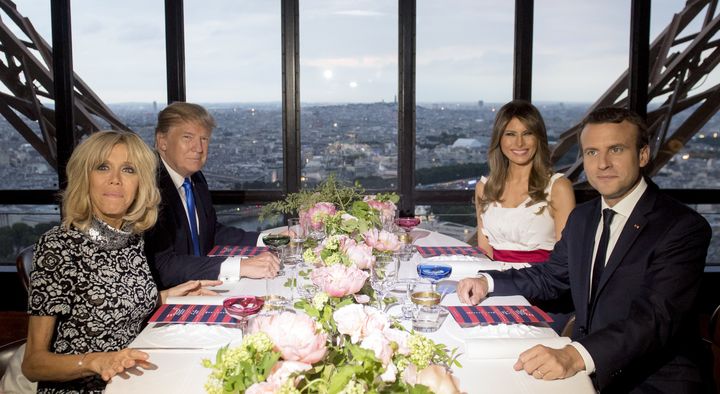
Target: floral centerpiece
(335, 343)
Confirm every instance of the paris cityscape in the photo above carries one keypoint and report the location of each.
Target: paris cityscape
(355, 142)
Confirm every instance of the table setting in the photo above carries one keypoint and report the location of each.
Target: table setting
(366, 301)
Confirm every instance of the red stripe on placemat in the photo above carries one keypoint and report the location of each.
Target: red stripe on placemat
(529, 314)
(214, 250)
(471, 317)
(499, 313)
(513, 313)
(521, 256)
(542, 314)
(198, 318)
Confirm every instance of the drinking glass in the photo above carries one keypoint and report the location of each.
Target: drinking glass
(241, 307)
(276, 241)
(434, 272)
(294, 254)
(383, 276)
(276, 297)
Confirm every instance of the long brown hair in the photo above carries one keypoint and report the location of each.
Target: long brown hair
(541, 167)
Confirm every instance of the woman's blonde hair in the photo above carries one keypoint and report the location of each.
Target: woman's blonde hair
(76, 203)
(497, 162)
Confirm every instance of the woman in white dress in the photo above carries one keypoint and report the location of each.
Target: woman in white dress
(522, 206)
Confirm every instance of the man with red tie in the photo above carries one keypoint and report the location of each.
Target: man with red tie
(632, 261)
(187, 226)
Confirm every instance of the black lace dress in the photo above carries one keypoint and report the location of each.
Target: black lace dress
(99, 288)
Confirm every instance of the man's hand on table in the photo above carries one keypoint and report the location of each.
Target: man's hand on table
(191, 287)
(472, 290)
(549, 364)
(264, 265)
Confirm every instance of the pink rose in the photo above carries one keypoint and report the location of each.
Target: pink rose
(316, 215)
(282, 370)
(338, 280)
(350, 320)
(361, 255)
(383, 241)
(295, 336)
(263, 388)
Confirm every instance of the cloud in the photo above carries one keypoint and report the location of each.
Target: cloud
(365, 62)
(359, 13)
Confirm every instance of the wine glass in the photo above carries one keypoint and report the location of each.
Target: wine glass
(383, 276)
(275, 242)
(241, 307)
(407, 223)
(434, 272)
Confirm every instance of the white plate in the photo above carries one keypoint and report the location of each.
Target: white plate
(201, 336)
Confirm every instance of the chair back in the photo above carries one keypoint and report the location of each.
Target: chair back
(6, 354)
(24, 265)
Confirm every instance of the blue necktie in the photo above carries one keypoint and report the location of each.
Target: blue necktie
(190, 202)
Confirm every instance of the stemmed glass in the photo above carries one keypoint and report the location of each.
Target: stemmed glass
(383, 276)
(298, 234)
(434, 272)
(407, 223)
(242, 307)
(275, 242)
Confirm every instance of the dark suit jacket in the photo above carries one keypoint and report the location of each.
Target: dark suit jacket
(168, 245)
(640, 330)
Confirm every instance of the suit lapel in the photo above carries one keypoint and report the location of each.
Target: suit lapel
(633, 227)
(202, 206)
(588, 239)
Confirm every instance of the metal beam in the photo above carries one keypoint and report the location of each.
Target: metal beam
(522, 60)
(63, 85)
(407, 10)
(175, 50)
(639, 56)
(291, 95)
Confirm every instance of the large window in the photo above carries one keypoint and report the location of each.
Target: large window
(464, 73)
(233, 56)
(348, 66)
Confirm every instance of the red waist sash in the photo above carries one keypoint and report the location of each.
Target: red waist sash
(521, 256)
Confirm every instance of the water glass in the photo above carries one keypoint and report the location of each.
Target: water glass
(306, 289)
(383, 276)
(298, 235)
(276, 294)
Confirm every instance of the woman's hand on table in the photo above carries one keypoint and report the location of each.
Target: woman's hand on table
(191, 287)
(546, 363)
(472, 290)
(264, 265)
(109, 364)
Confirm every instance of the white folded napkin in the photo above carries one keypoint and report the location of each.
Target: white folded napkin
(504, 348)
(197, 300)
(466, 266)
(201, 336)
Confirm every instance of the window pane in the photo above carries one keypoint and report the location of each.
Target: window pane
(233, 55)
(26, 161)
(348, 65)
(246, 217)
(464, 72)
(21, 226)
(457, 221)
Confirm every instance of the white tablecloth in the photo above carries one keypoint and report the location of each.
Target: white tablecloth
(489, 352)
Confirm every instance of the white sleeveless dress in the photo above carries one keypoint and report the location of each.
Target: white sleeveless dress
(520, 228)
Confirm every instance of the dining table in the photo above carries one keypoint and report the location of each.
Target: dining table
(487, 352)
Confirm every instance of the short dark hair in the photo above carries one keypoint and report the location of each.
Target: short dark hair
(618, 115)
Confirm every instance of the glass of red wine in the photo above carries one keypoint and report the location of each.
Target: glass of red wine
(241, 307)
(407, 223)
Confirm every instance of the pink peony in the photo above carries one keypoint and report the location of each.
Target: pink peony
(380, 345)
(282, 370)
(316, 215)
(376, 320)
(295, 336)
(361, 255)
(350, 320)
(383, 241)
(386, 208)
(400, 337)
(338, 280)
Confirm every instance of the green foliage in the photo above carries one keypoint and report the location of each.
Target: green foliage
(331, 190)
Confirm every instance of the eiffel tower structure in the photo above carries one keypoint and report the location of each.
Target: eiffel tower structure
(681, 60)
(27, 77)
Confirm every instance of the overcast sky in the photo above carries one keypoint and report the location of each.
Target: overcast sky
(348, 48)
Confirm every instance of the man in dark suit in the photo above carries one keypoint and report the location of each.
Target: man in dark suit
(177, 253)
(632, 261)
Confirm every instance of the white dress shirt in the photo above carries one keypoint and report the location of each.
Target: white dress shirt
(230, 268)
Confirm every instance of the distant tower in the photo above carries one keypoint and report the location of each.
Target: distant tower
(395, 99)
(155, 106)
(481, 103)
